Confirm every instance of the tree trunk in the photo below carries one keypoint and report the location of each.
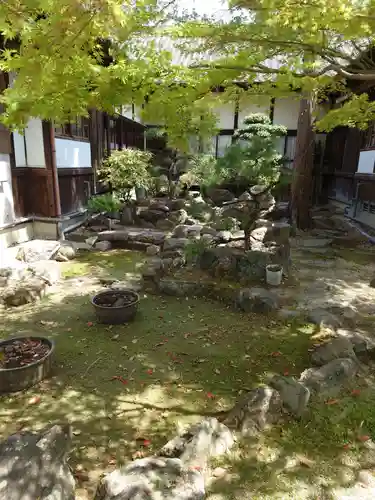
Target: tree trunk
(247, 231)
(302, 185)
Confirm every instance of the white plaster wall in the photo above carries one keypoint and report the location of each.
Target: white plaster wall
(366, 162)
(6, 194)
(35, 144)
(19, 149)
(225, 114)
(247, 107)
(286, 112)
(72, 154)
(127, 112)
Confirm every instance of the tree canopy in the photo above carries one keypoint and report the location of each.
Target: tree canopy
(71, 55)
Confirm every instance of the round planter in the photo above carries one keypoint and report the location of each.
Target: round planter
(274, 274)
(113, 314)
(23, 377)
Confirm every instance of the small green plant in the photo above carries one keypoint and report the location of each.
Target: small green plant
(195, 249)
(125, 170)
(104, 203)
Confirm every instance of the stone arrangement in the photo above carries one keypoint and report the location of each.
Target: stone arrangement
(27, 277)
(207, 230)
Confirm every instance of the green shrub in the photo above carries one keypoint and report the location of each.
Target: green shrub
(125, 170)
(104, 203)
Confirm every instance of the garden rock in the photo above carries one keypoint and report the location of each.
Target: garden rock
(178, 216)
(257, 300)
(151, 215)
(294, 395)
(190, 221)
(47, 270)
(173, 243)
(152, 250)
(338, 347)
(207, 238)
(277, 231)
(329, 378)
(146, 224)
(177, 204)
(26, 291)
(207, 439)
(152, 237)
(153, 478)
(173, 254)
(176, 288)
(159, 206)
(324, 318)
(255, 411)
(363, 345)
(103, 246)
(208, 230)
(224, 236)
(245, 197)
(65, 252)
(35, 250)
(33, 466)
(220, 196)
(181, 231)
(165, 224)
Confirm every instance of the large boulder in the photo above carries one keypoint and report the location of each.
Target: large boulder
(201, 442)
(65, 252)
(153, 478)
(257, 300)
(35, 250)
(220, 196)
(277, 231)
(33, 466)
(152, 215)
(255, 411)
(173, 243)
(339, 347)
(26, 283)
(165, 224)
(294, 395)
(329, 378)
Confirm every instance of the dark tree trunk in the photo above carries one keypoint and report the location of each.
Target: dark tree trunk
(247, 231)
(302, 185)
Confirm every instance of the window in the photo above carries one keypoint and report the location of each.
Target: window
(223, 142)
(290, 150)
(78, 129)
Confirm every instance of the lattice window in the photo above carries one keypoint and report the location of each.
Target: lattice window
(78, 129)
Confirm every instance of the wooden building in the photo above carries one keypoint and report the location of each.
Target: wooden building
(48, 173)
(348, 170)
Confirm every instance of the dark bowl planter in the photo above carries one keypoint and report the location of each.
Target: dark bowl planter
(23, 377)
(109, 313)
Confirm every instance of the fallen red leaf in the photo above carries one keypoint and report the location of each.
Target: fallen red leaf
(275, 354)
(122, 380)
(332, 402)
(356, 392)
(363, 438)
(149, 371)
(146, 442)
(90, 323)
(165, 340)
(346, 446)
(210, 395)
(286, 373)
